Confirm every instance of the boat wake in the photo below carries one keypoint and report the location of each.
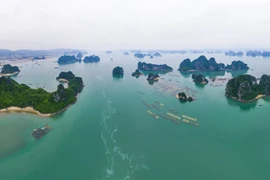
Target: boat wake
(120, 165)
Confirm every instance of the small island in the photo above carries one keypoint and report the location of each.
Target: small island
(157, 54)
(66, 59)
(118, 72)
(137, 73)
(8, 70)
(154, 67)
(152, 78)
(39, 58)
(199, 79)
(21, 98)
(183, 97)
(237, 66)
(126, 53)
(91, 59)
(244, 88)
(232, 53)
(139, 55)
(203, 64)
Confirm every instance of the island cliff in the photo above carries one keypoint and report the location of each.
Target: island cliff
(20, 97)
(183, 97)
(245, 88)
(8, 70)
(136, 74)
(91, 59)
(118, 72)
(154, 67)
(68, 59)
(203, 64)
(199, 79)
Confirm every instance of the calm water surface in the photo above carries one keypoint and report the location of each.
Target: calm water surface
(108, 135)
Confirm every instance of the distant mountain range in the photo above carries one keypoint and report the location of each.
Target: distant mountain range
(6, 54)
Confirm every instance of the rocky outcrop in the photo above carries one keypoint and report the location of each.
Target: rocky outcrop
(91, 59)
(201, 64)
(8, 69)
(237, 66)
(154, 67)
(137, 73)
(68, 59)
(199, 79)
(118, 72)
(184, 98)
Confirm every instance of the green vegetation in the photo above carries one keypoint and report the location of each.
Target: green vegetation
(8, 69)
(245, 87)
(21, 95)
(75, 83)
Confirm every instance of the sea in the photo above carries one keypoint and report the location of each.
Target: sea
(110, 135)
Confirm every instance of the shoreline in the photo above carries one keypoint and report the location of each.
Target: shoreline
(9, 74)
(260, 96)
(63, 80)
(32, 110)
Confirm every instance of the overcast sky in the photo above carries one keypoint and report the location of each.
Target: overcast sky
(134, 24)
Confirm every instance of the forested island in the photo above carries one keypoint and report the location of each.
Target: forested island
(199, 79)
(154, 67)
(118, 72)
(20, 97)
(91, 59)
(8, 70)
(203, 64)
(244, 88)
(66, 59)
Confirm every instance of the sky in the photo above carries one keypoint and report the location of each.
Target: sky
(134, 24)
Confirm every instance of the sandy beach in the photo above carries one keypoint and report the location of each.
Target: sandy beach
(11, 74)
(63, 80)
(26, 109)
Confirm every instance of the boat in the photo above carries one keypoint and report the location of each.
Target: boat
(159, 103)
(40, 132)
(146, 104)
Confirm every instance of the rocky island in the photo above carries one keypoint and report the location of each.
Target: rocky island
(91, 59)
(203, 64)
(8, 70)
(244, 88)
(232, 53)
(79, 55)
(199, 79)
(66, 59)
(183, 97)
(118, 72)
(20, 97)
(39, 58)
(237, 66)
(152, 78)
(154, 67)
(136, 74)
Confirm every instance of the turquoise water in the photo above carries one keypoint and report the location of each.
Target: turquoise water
(108, 135)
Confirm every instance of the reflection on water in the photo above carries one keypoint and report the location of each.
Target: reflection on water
(242, 106)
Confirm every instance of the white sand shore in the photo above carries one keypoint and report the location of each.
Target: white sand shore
(26, 109)
(11, 74)
(63, 80)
